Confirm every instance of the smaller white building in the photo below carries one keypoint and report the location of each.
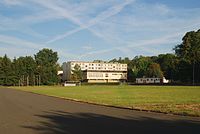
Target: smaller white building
(60, 73)
(69, 84)
(151, 80)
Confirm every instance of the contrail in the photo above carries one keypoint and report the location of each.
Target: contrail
(102, 16)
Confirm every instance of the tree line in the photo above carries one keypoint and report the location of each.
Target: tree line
(38, 70)
(181, 67)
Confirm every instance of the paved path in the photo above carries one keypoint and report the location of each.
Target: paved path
(27, 113)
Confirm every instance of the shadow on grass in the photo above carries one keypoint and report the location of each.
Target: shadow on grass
(58, 122)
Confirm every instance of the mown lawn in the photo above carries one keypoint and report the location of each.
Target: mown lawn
(184, 100)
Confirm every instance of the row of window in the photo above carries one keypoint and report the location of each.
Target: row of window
(101, 75)
(150, 79)
(92, 64)
(105, 68)
(95, 75)
(101, 68)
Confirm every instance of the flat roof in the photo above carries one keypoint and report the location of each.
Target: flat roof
(97, 62)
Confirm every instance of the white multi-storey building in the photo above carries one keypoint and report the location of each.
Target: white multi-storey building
(94, 72)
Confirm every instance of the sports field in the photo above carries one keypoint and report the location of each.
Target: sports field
(184, 100)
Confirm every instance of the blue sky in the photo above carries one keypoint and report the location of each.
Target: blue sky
(95, 29)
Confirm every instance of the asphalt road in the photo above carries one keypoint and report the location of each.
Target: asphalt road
(27, 113)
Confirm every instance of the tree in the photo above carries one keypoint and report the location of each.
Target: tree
(168, 64)
(154, 71)
(46, 61)
(6, 73)
(142, 63)
(76, 73)
(189, 51)
(113, 60)
(190, 47)
(1, 71)
(25, 68)
(184, 71)
(131, 75)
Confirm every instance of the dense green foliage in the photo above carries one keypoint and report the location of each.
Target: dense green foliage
(154, 66)
(6, 75)
(46, 61)
(154, 70)
(28, 70)
(189, 54)
(77, 73)
(170, 99)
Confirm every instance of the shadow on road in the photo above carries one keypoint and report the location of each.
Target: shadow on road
(59, 122)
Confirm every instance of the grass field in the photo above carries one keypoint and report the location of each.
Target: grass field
(184, 100)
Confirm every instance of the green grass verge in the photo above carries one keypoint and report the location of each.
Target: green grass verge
(184, 100)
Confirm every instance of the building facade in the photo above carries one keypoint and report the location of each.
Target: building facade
(97, 72)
